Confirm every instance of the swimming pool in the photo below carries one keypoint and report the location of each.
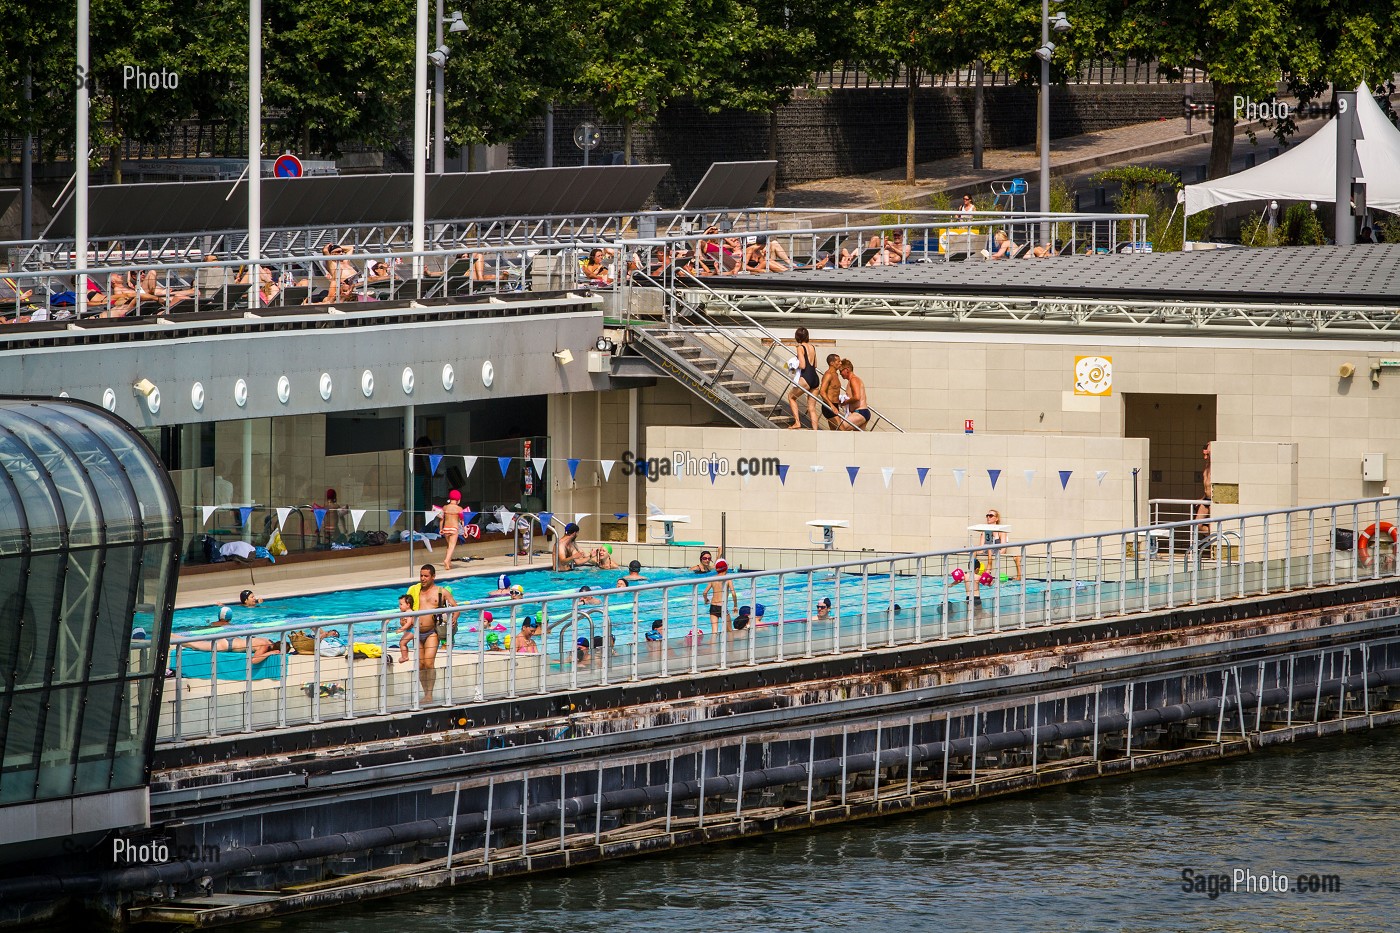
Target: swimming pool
(861, 602)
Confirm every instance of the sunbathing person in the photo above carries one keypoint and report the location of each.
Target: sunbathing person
(1005, 249)
(150, 284)
(595, 268)
(261, 647)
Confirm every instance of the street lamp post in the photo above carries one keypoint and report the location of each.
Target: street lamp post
(438, 57)
(1059, 23)
(420, 134)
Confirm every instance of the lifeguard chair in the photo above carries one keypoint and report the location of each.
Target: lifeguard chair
(1009, 191)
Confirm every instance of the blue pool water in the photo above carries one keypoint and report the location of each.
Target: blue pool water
(631, 613)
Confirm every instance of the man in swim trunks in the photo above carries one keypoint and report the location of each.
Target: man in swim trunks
(714, 595)
(829, 391)
(451, 525)
(860, 410)
(566, 552)
(427, 594)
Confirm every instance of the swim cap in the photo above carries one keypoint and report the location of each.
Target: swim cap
(824, 603)
(608, 548)
(758, 610)
(493, 640)
(743, 610)
(634, 566)
(721, 564)
(486, 616)
(517, 590)
(585, 589)
(582, 641)
(225, 613)
(454, 495)
(503, 582)
(571, 529)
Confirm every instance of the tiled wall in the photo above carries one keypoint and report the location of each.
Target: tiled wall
(766, 512)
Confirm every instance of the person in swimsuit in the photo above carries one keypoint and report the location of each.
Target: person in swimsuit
(706, 564)
(806, 377)
(860, 410)
(1202, 509)
(986, 560)
(829, 391)
(824, 609)
(260, 647)
(425, 594)
(451, 524)
(566, 552)
(715, 592)
(406, 625)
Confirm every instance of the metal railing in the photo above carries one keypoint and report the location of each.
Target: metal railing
(1097, 72)
(876, 603)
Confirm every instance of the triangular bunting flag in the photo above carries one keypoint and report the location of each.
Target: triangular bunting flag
(1100, 476)
(958, 474)
(320, 517)
(282, 514)
(505, 465)
(607, 466)
(207, 510)
(468, 515)
(539, 463)
(1064, 478)
(580, 516)
(243, 514)
(923, 473)
(469, 463)
(545, 519)
(642, 468)
(782, 473)
(433, 461)
(355, 516)
(994, 475)
(713, 469)
(619, 515)
(887, 473)
(394, 516)
(573, 468)
(851, 471)
(1030, 477)
(430, 516)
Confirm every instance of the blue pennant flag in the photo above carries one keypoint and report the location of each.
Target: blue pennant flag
(320, 517)
(994, 475)
(467, 517)
(713, 469)
(394, 516)
(641, 468)
(851, 472)
(619, 515)
(505, 465)
(545, 518)
(782, 473)
(433, 461)
(1064, 478)
(923, 472)
(573, 468)
(243, 514)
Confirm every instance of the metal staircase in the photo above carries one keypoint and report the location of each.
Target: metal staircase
(681, 355)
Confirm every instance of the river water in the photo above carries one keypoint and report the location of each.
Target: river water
(1105, 855)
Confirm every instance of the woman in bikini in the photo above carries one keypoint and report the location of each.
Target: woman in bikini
(806, 376)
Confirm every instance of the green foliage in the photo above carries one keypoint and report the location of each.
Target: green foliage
(1256, 232)
(1163, 216)
(1133, 177)
(1061, 197)
(1301, 227)
(1389, 230)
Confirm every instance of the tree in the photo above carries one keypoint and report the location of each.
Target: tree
(516, 57)
(641, 54)
(774, 50)
(1242, 45)
(342, 71)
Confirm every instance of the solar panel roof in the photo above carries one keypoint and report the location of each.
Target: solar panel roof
(1362, 274)
(729, 185)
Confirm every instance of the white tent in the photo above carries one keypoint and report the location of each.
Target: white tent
(1308, 171)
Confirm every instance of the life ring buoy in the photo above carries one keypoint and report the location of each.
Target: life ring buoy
(1364, 542)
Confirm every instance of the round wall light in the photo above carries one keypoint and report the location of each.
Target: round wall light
(408, 380)
(488, 374)
(197, 396)
(284, 389)
(449, 376)
(326, 386)
(109, 400)
(240, 393)
(367, 383)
